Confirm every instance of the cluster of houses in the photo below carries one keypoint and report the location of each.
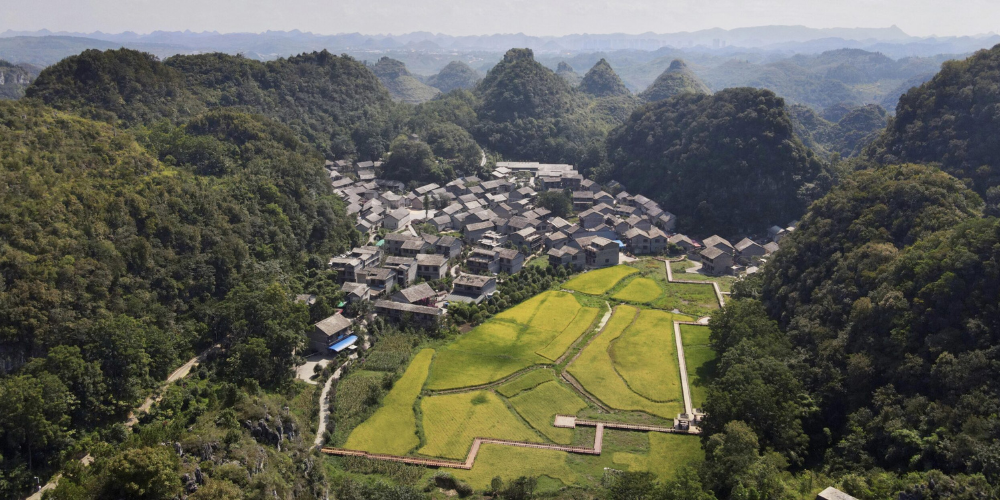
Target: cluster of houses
(473, 229)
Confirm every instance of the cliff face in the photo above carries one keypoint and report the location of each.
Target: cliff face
(14, 79)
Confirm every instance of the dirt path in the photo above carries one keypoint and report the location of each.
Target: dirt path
(560, 421)
(181, 372)
(324, 408)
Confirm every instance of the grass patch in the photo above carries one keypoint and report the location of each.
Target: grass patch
(599, 281)
(639, 290)
(679, 269)
(669, 452)
(542, 262)
(527, 381)
(594, 370)
(540, 405)
(688, 297)
(580, 324)
(393, 427)
(645, 355)
(701, 361)
(510, 341)
(510, 463)
(452, 421)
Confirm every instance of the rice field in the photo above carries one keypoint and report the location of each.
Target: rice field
(393, 427)
(527, 381)
(639, 290)
(540, 405)
(453, 421)
(533, 332)
(595, 370)
(600, 281)
(701, 361)
(510, 463)
(580, 324)
(645, 355)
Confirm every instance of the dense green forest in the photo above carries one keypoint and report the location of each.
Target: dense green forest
(125, 252)
(867, 348)
(602, 81)
(952, 120)
(335, 103)
(725, 163)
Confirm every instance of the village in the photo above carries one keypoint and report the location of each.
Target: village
(436, 245)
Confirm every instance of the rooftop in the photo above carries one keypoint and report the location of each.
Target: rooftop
(334, 324)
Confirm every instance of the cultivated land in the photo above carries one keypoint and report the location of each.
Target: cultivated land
(640, 290)
(600, 281)
(601, 374)
(539, 406)
(690, 298)
(453, 421)
(630, 366)
(393, 428)
(701, 361)
(646, 356)
(527, 381)
(531, 333)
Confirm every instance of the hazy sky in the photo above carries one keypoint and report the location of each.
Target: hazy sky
(470, 17)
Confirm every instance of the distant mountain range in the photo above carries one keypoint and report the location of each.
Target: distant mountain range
(890, 41)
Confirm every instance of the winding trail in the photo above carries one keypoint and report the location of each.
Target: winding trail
(181, 372)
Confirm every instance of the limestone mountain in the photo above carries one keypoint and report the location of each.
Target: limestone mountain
(677, 79)
(952, 120)
(568, 73)
(14, 78)
(727, 162)
(602, 81)
(402, 85)
(456, 75)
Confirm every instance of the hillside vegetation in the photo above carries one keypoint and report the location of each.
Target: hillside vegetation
(402, 85)
(335, 103)
(725, 163)
(841, 129)
(952, 120)
(456, 75)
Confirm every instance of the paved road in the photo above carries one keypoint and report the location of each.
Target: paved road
(686, 389)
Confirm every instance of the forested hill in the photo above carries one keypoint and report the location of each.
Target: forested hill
(335, 103)
(456, 75)
(602, 81)
(527, 112)
(954, 120)
(402, 85)
(851, 130)
(14, 79)
(676, 79)
(120, 257)
(867, 347)
(725, 163)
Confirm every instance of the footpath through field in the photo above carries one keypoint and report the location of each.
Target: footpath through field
(470, 460)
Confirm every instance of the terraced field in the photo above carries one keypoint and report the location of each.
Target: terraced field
(453, 421)
(539, 406)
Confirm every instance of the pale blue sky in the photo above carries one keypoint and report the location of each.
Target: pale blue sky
(472, 17)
